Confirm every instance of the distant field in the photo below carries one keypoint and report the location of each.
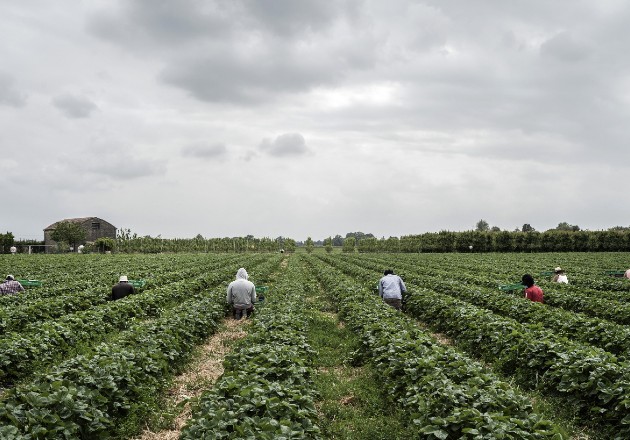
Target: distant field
(464, 358)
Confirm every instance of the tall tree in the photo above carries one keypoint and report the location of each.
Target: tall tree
(69, 232)
(337, 240)
(328, 244)
(482, 226)
(564, 226)
(6, 241)
(527, 228)
(308, 244)
(348, 245)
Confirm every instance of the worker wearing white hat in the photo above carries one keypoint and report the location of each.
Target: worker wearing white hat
(122, 289)
(560, 276)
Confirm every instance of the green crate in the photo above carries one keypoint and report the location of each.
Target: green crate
(547, 273)
(30, 283)
(515, 286)
(137, 284)
(262, 289)
(615, 273)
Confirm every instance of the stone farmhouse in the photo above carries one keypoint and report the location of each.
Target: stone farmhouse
(94, 226)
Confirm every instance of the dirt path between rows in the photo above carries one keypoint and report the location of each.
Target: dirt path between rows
(201, 375)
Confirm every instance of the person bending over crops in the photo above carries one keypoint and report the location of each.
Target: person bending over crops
(122, 289)
(390, 288)
(532, 291)
(560, 276)
(11, 286)
(241, 294)
(627, 274)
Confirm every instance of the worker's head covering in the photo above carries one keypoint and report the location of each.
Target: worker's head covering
(558, 269)
(528, 280)
(388, 272)
(123, 279)
(241, 274)
(10, 277)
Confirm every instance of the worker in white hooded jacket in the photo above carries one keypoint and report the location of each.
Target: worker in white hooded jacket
(241, 294)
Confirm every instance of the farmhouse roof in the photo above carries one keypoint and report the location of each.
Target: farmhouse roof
(79, 220)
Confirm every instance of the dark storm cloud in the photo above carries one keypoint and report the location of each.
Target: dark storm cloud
(10, 94)
(288, 144)
(74, 106)
(204, 150)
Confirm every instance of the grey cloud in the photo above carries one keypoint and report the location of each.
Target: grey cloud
(9, 94)
(565, 47)
(145, 22)
(288, 17)
(117, 161)
(204, 150)
(74, 106)
(256, 75)
(288, 144)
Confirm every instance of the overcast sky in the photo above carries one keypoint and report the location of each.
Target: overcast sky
(314, 118)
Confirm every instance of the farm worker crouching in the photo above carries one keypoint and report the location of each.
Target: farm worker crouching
(122, 289)
(532, 291)
(10, 286)
(560, 276)
(391, 288)
(627, 274)
(241, 294)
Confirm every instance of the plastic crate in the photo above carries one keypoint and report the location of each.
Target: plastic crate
(137, 284)
(30, 283)
(515, 286)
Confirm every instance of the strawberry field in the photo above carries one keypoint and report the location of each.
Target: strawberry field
(323, 357)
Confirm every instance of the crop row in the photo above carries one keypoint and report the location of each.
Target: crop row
(266, 391)
(84, 396)
(45, 342)
(569, 298)
(593, 380)
(607, 335)
(88, 395)
(446, 394)
(69, 298)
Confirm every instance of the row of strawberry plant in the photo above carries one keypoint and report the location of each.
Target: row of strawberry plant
(596, 382)
(85, 396)
(593, 380)
(266, 391)
(68, 299)
(565, 297)
(46, 342)
(446, 394)
(588, 330)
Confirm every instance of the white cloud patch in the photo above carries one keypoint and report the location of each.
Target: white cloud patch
(202, 150)
(288, 144)
(10, 94)
(74, 107)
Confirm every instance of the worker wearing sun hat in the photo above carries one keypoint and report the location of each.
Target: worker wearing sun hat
(122, 289)
(560, 276)
(11, 286)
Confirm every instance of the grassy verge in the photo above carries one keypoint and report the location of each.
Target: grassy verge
(351, 404)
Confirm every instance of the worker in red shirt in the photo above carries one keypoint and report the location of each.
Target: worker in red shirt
(532, 291)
